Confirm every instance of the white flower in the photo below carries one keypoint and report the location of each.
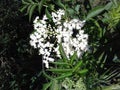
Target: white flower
(44, 17)
(47, 38)
(36, 19)
(46, 63)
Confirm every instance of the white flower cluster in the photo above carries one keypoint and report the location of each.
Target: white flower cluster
(47, 37)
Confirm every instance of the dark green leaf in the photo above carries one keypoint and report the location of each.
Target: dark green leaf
(59, 3)
(48, 14)
(77, 66)
(45, 74)
(31, 11)
(23, 8)
(108, 6)
(30, 1)
(24, 2)
(28, 9)
(62, 52)
(64, 76)
(77, 8)
(95, 11)
(59, 63)
(46, 86)
(60, 70)
(51, 7)
(71, 11)
(100, 57)
(115, 2)
(40, 5)
(37, 1)
(54, 85)
(73, 57)
(83, 72)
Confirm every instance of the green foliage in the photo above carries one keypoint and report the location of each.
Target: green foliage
(69, 84)
(93, 72)
(30, 6)
(113, 15)
(65, 68)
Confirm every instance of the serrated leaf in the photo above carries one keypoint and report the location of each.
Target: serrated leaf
(79, 64)
(62, 52)
(46, 86)
(64, 76)
(60, 70)
(95, 11)
(31, 11)
(23, 8)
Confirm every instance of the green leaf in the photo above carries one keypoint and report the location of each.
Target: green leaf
(12, 83)
(40, 5)
(48, 14)
(60, 70)
(31, 11)
(62, 52)
(64, 76)
(95, 11)
(73, 57)
(37, 1)
(45, 74)
(54, 85)
(108, 6)
(23, 8)
(51, 7)
(77, 66)
(30, 1)
(112, 87)
(24, 2)
(59, 63)
(77, 8)
(99, 28)
(100, 57)
(83, 72)
(28, 9)
(115, 2)
(46, 86)
(70, 11)
(59, 3)
(112, 74)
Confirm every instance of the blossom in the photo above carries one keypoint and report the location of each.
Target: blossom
(47, 37)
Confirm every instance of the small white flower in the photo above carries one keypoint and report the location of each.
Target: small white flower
(36, 19)
(46, 63)
(47, 38)
(44, 17)
(51, 59)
